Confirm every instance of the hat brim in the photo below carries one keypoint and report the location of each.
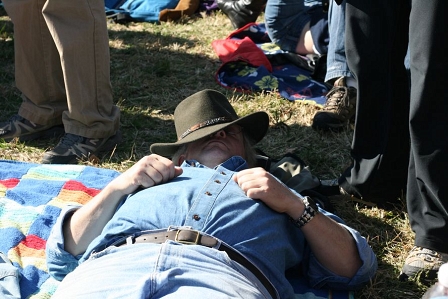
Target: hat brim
(254, 125)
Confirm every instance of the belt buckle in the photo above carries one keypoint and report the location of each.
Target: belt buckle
(195, 242)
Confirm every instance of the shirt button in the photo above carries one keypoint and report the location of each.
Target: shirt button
(196, 217)
(223, 173)
(218, 181)
(208, 193)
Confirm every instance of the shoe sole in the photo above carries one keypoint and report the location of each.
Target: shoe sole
(425, 277)
(333, 127)
(327, 128)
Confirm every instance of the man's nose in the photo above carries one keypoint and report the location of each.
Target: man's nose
(220, 134)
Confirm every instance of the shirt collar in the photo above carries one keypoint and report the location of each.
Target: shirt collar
(235, 163)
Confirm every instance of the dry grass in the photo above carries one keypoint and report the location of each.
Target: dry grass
(153, 67)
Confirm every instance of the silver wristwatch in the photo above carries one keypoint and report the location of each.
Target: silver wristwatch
(310, 211)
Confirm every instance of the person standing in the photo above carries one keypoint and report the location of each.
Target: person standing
(399, 144)
(62, 68)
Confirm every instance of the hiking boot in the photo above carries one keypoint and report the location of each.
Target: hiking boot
(73, 147)
(423, 264)
(25, 130)
(339, 108)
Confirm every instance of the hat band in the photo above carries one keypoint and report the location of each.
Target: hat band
(206, 123)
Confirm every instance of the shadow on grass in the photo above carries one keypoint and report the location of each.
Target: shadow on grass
(385, 237)
(150, 74)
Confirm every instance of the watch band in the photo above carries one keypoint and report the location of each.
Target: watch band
(308, 214)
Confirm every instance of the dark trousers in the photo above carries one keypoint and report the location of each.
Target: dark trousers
(400, 141)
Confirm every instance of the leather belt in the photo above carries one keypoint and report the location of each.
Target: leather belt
(193, 237)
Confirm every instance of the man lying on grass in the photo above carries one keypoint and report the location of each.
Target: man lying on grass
(206, 223)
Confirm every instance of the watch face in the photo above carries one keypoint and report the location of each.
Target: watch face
(308, 201)
(308, 214)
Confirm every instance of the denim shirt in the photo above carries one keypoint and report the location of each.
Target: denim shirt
(208, 200)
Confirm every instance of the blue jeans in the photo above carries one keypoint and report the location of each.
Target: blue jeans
(285, 20)
(168, 270)
(336, 59)
(9, 279)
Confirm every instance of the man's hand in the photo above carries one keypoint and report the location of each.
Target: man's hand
(257, 183)
(147, 172)
(88, 222)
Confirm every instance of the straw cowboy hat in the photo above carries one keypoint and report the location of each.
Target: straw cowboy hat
(206, 112)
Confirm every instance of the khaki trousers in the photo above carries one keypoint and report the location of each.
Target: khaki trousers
(62, 64)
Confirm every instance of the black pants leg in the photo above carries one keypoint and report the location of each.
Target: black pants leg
(376, 46)
(427, 195)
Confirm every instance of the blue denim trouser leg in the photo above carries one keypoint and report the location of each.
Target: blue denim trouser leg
(336, 59)
(9, 279)
(285, 20)
(168, 270)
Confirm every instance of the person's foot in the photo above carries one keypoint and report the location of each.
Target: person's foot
(25, 130)
(339, 108)
(334, 191)
(358, 200)
(422, 264)
(72, 148)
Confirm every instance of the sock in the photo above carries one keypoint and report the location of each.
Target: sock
(351, 82)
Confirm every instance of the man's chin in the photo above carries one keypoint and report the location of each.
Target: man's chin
(214, 157)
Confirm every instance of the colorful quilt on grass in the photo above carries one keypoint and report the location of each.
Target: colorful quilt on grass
(31, 198)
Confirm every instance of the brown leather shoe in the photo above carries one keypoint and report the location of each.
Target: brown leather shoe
(183, 8)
